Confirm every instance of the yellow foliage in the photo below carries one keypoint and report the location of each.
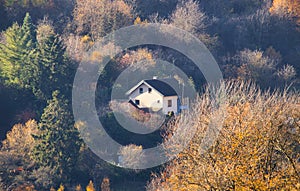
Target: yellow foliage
(90, 186)
(96, 56)
(20, 140)
(25, 188)
(61, 188)
(141, 58)
(143, 54)
(122, 7)
(85, 39)
(286, 7)
(99, 17)
(138, 21)
(78, 188)
(254, 151)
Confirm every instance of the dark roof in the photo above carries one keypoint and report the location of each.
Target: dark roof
(164, 88)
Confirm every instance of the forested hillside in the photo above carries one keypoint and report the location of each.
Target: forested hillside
(256, 44)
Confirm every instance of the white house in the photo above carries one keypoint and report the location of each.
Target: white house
(154, 95)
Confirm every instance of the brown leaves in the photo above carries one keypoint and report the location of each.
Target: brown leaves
(257, 149)
(99, 17)
(20, 140)
(286, 8)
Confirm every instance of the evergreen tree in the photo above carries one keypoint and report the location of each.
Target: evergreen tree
(29, 30)
(55, 71)
(17, 54)
(58, 143)
(25, 4)
(40, 64)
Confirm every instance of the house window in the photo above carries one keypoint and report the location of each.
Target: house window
(158, 101)
(169, 103)
(149, 90)
(141, 90)
(137, 102)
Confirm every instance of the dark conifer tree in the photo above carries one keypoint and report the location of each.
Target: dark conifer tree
(55, 70)
(58, 143)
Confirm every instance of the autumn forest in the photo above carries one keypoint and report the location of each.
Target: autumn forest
(255, 107)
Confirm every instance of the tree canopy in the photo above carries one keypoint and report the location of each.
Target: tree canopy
(58, 142)
(17, 53)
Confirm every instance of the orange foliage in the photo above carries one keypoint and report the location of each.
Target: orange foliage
(61, 188)
(105, 184)
(90, 186)
(25, 187)
(286, 7)
(99, 17)
(257, 148)
(141, 58)
(78, 188)
(138, 20)
(19, 140)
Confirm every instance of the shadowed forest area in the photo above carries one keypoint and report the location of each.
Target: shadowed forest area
(256, 44)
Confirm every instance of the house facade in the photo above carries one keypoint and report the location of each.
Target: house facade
(154, 95)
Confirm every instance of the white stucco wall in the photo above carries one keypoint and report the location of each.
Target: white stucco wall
(153, 100)
(174, 107)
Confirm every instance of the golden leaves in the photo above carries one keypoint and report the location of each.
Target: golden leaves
(96, 56)
(90, 186)
(141, 59)
(255, 149)
(19, 140)
(286, 8)
(138, 21)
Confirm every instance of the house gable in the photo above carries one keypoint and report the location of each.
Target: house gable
(146, 99)
(155, 95)
(163, 88)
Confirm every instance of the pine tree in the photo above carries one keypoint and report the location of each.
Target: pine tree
(55, 71)
(17, 54)
(25, 4)
(29, 30)
(58, 143)
(40, 64)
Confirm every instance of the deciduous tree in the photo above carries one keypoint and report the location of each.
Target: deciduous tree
(100, 17)
(254, 65)
(15, 160)
(105, 186)
(286, 8)
(257, 147)
(189, 17)
(132, 156)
